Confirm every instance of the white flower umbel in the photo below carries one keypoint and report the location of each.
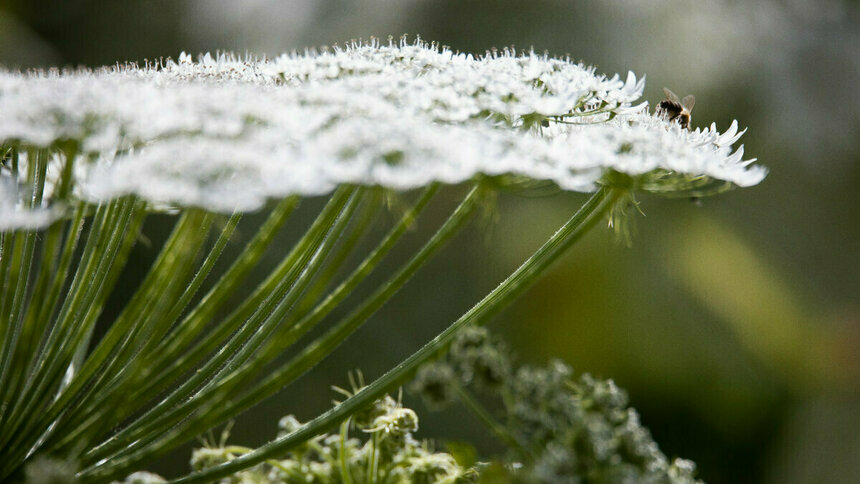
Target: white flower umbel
(226, 133)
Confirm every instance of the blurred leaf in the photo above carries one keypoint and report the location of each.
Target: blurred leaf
(758, 304)
(463, 452)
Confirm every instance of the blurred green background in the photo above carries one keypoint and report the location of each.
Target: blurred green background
(734, 324)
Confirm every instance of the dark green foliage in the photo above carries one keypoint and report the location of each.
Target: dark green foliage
(566, 429)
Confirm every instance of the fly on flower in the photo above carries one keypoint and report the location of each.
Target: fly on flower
(674, 109)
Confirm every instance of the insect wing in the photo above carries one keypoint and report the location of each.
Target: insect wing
(688, 102)
(671, 95)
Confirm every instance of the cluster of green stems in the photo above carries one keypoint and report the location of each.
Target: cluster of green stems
(175, 363)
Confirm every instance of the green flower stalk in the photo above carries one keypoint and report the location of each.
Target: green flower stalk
(86, 155)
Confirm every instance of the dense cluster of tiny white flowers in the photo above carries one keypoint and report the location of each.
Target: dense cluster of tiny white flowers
(227, 133)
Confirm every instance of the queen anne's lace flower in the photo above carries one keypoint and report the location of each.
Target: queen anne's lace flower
(227, 133)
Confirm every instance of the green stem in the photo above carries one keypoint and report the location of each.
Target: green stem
(343, 458)
(372, 463)
(6, 255)
(176, 357)
(5, 279)
(126, 359)
(43, 313)
(127, 231)
(21, 266)
(238, 449)
(53, 270)
(5, 324)
(362, 225)
(190, 395)
(76, 298)
(33, 326)
(487, 419)
(49, 307)
(20, 269)
(325, 344)
(107, 249)
(507, 291)
(345, 288)
(115, 242)
(193, 286)
(316, 351)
